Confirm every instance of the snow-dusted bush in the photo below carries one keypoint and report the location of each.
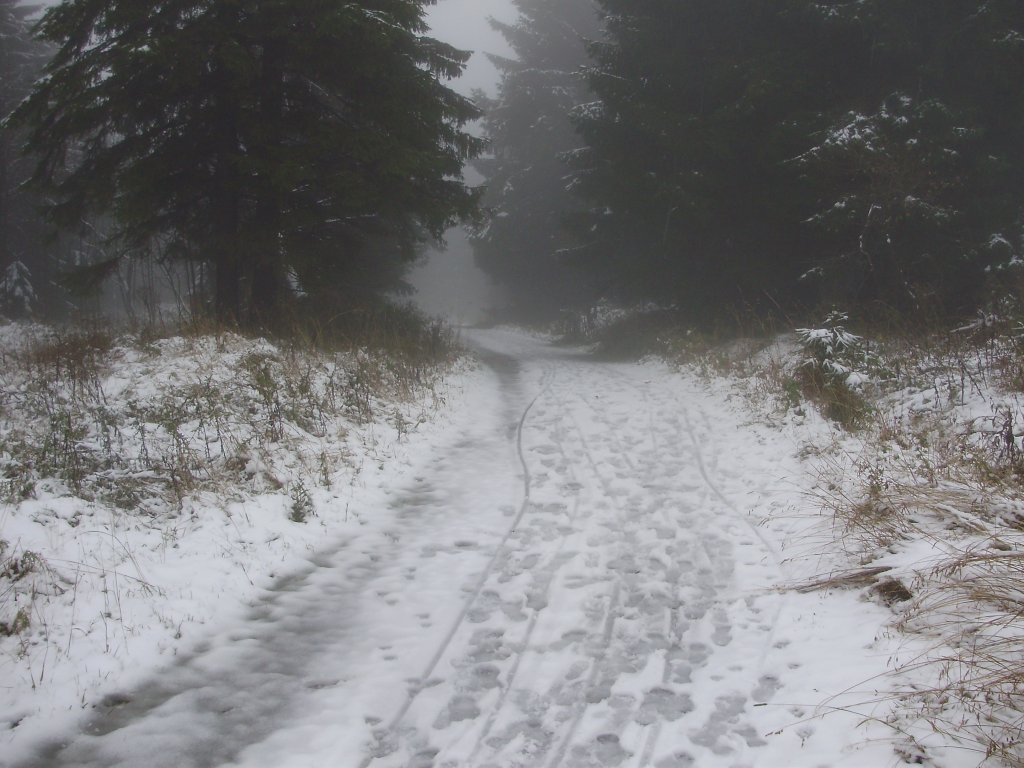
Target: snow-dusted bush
(836, 366)
(840, 356)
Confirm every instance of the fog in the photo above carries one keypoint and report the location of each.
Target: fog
(448, 282)
(463, 23)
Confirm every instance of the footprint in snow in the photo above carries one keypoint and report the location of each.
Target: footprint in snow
(516, 567)
(572, 637)
(604, 752)
(682, 673)
(695, 611)
(722, 723)
(423, 759)
(488, 645)
(722, 635)
(482, 677)
(699, 654)
(576, 670)
(568, 695)
(766, 689)
(488, 603)
(663, 704)
(461, 707)
(602, 691)
(678, 760)
(545, 450)
(529, 735)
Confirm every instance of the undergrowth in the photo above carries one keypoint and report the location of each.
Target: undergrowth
(102, 431)
(939, 460)
(15, 602)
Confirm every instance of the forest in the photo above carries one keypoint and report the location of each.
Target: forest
(719, 158)
(277, 152)
(756, 157)
(767, 411)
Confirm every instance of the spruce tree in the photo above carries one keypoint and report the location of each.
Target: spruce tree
(921, 176)
(21, 60)
(279, 141)
(874, 147)
(700, 103)
(526, 246)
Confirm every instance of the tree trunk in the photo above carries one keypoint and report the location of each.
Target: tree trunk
(268, 272)
(226, 231)
(226, 195)
(227, 300)
(5, 160)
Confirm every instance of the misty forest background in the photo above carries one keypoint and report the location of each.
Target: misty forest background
(724, 160)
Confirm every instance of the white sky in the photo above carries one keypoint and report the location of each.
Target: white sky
(463, 23)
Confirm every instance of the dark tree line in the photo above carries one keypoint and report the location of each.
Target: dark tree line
(23, 258)
(765, 154)
(288, 147)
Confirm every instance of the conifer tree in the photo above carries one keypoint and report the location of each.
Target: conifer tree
(21, 60)
(17, 296)
(921, 176)
(875, 147)
(700, 102)
(279, 141)
(526, 246)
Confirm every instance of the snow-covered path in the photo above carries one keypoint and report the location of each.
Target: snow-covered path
(578, 576)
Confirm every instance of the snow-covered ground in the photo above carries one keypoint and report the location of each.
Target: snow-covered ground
(579, 564)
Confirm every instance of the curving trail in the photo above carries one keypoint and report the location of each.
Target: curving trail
(578, 579)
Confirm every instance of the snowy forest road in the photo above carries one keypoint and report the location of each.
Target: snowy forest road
(578, 578)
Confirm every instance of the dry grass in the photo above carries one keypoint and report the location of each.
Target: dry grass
(947, 471)
(145, 452)
(973, 604)
(16, 568)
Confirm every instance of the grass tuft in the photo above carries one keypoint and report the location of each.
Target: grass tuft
(17, 593)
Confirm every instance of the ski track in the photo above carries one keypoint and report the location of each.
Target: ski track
(584, 590)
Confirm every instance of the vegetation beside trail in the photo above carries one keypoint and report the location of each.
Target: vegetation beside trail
(166, 430)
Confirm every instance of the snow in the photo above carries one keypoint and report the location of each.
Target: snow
(577, 563)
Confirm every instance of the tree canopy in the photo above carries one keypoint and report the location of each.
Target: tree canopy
(773, 154)
(21, 60)
(920, 173)
(304, 144)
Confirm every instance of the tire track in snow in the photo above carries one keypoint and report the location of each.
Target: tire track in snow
(604, 663)
(709, 553)
(581, 707)
(392, 727)
(701, 465)
(524, 644)
(610, 610)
